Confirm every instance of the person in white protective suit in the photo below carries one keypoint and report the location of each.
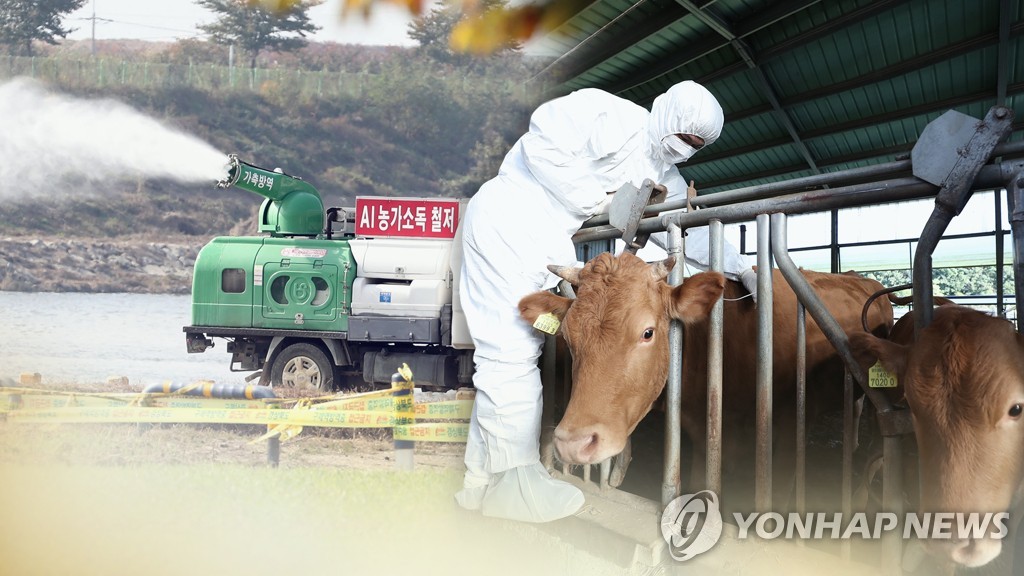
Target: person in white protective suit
(579, 149)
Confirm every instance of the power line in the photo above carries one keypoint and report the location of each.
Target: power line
(141, 25)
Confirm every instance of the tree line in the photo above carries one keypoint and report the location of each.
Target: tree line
(250, 26)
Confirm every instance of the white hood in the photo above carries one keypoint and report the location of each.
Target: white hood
(686, 108)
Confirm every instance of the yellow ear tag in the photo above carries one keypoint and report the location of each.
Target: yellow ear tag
(547, 323)
(879, 377)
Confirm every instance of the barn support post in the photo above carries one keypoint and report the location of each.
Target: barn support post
(763, 458)
(1015, 199)
(671, 485)
(715, 343)
(997, 194)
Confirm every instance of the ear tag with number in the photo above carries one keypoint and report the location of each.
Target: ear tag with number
(879, 377)
(547, 323)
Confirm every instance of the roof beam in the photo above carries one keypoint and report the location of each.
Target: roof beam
(872, 9)
(569, 66)
(1003, 59)
(868, 11)
(900, 114)
(898, 69)
(768, 90)
(595, 48)
(598, 47)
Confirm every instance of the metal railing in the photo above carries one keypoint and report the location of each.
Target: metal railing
(769, 205)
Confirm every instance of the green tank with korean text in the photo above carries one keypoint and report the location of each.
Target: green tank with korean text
(310, 303)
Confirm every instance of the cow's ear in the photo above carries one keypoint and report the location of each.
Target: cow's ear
(868, 349)
(693, 299)
(532, 306)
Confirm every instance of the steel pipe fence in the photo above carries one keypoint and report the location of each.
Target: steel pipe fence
(851, 188)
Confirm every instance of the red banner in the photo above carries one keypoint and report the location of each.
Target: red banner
(406, 217)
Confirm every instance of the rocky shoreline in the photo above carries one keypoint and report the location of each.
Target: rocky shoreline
(84, 265)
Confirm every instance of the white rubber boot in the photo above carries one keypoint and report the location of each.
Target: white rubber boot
(530, 494)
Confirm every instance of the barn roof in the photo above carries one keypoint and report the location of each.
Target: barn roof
(808, 86)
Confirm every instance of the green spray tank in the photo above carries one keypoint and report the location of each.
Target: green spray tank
(292, 207)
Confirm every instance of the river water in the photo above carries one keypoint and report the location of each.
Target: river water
(87, 338)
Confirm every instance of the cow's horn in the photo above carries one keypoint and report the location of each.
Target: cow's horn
(570, 274)
(661, 269)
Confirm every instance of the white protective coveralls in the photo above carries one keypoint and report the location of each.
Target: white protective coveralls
(579, 148)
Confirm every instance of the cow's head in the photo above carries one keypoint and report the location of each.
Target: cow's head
(617, 332)
(964, 383)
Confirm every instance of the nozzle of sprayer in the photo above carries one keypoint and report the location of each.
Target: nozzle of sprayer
(232, 168)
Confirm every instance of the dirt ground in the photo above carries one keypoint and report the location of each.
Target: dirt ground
(184, 444)
(127, 499)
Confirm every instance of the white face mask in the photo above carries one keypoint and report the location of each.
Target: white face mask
(675, 151)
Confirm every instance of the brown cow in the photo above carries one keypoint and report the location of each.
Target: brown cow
(617, 331)
(964, 383)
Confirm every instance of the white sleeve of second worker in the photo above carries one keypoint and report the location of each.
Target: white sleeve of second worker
(698, 247)
(698, 253)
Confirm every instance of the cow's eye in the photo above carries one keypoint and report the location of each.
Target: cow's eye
(1016, 410)
(648, 334)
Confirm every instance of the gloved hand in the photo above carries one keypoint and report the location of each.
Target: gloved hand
(749, 280)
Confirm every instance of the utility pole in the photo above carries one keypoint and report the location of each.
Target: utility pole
(93, 28)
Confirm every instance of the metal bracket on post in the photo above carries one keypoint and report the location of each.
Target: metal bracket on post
(627, 209)
(949, 154)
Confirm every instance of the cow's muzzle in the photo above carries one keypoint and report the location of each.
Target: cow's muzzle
(587, 445)
(970, 552)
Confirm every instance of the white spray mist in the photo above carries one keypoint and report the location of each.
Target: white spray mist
(47, 138)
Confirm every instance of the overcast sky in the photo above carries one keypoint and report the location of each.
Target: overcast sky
(167, 20)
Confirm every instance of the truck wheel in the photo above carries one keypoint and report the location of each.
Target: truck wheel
(303, 365)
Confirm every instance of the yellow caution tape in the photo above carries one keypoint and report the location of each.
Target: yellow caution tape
(367, 410)
(330, 419)
(280, 419)
(371, 402)
(433, 432)
(10, 402)
(285, 432)
(447, 410)
(367, 405)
